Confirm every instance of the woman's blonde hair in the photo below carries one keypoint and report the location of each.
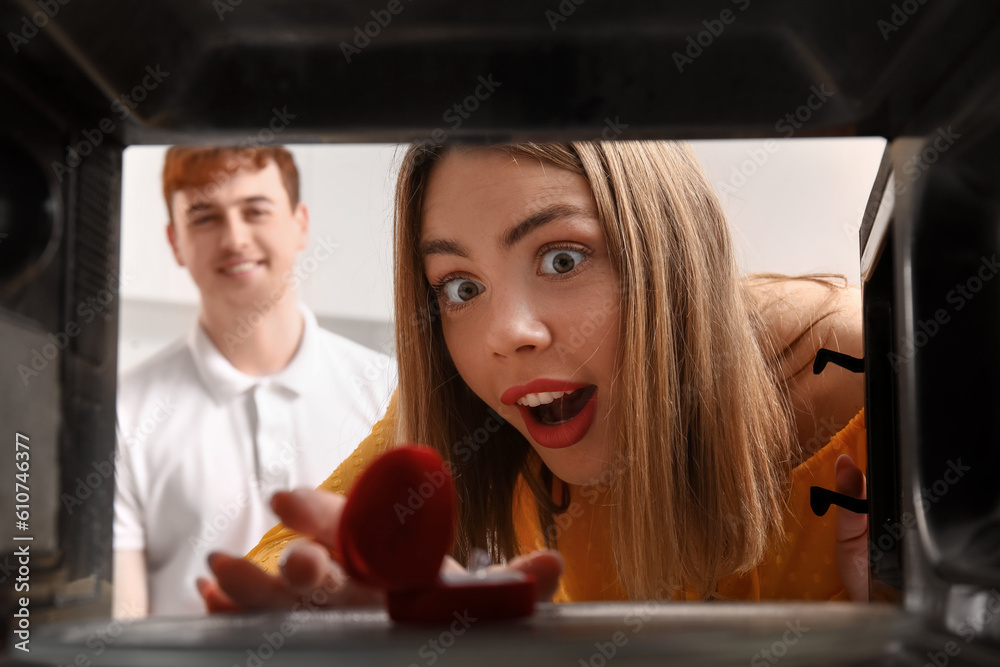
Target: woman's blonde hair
(706, 432)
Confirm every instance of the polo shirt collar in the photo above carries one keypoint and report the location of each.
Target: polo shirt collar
(225, 382)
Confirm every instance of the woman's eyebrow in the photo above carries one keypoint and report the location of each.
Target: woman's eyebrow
(442, 247)
(536, 220)
(511, 236)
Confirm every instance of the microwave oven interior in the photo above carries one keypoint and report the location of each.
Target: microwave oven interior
(80, 81)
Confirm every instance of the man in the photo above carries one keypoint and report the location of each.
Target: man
(256, 399)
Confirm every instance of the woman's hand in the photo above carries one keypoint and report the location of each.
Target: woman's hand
(311, 578)
(852, 531)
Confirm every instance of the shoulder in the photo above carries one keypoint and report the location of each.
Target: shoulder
(800, 316)
(166, 373)
(169, 363)
(361, 363)
(343, 349)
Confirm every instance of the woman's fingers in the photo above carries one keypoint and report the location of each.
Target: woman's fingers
(545, 566)
(852, 531)
(306, 566)
(244, 586)
(451, 566)
(310, 512)
(216, 602)
(309, 573)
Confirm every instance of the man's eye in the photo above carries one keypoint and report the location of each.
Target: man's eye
(460, 290)
(561, 260)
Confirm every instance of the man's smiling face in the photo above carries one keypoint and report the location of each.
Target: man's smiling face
(238, 235)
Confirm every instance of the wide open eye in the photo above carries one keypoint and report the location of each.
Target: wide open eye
(461, 290)
(561, 260)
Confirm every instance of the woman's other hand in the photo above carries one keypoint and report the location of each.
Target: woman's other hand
(852, 531)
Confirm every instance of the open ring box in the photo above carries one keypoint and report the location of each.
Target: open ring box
(396, 529)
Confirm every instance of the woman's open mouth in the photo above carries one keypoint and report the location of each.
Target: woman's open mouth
(557, 419)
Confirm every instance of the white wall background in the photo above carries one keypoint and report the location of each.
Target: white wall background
(795, 206)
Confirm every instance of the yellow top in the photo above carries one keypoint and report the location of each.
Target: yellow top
(802, 568)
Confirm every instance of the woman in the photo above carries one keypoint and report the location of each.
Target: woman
(652, 404)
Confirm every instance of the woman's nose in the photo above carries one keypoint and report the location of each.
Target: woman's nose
(516, 325)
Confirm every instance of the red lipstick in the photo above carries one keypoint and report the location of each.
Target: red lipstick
(563, 434)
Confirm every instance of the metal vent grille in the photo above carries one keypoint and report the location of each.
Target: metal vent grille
(95, 276)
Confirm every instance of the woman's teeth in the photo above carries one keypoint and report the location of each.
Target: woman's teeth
(543, 398)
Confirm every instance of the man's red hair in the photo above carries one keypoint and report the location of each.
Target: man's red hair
(209, 168)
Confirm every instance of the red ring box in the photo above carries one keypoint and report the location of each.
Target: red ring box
(397, 527)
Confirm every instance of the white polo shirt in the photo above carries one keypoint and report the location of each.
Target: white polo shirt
(202, 447)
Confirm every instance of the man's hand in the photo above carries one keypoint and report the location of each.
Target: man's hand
(852, 531)
(311, 578)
